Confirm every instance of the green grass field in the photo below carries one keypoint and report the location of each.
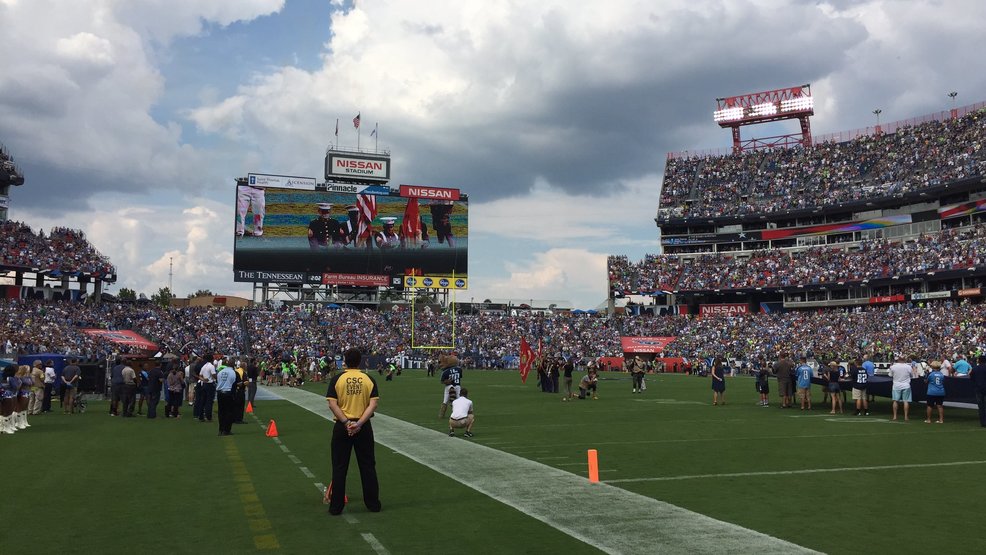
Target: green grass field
(94, 483)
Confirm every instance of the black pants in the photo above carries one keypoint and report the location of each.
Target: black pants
(174, 403)
(153, 398)
(227, 411)
(46, 403)
(129, 397)
(239, 404)
(638, 380)
(342, 447)
(208, 395)
(116, 397)
(252, 391)
(197, 403)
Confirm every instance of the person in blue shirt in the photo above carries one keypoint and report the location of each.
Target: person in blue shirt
(226, 381)
(870, 369)
(451, 380)
(961, 367)
(936, 392)
(803, 374)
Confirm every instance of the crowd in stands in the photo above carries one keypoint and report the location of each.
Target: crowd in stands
(874, 166)
(939, 329)
(62, 250)
(952, 249)
(34, 326)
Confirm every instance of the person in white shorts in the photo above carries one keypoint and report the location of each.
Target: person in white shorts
(462, 415)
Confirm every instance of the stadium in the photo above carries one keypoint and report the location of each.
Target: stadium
(866, 245)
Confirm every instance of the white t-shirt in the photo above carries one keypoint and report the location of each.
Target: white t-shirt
(49, 375)
(900, 372)
(208, 373)
(461, 408)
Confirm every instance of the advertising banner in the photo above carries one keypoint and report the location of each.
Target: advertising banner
(356, 166)
(645, 344)
(435, 282)
(366, 280)
(122, 337)
(932, 295)
(263, 180)
(438, 193)
(734, 309)
(883, 299)
(971, 292)
(875, 223)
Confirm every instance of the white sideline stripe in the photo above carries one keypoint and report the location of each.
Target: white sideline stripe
(320, 486)
(284, 448)
(294, 459)
(375, 544)
(306, 472)
(571, 505)
(350, 518)
(784, 472)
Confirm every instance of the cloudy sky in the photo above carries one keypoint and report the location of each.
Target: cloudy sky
(131, 118)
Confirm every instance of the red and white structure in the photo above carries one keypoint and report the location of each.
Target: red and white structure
(764, 107)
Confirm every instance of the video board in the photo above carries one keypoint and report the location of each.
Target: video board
(347, 234)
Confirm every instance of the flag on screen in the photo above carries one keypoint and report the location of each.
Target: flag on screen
(356, 121)
(367, 207)
(411, 226)
(526, 359)
(374, 132)
(337, 128)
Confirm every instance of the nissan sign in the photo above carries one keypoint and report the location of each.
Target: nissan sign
(356, 167)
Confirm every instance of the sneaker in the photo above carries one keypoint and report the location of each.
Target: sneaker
(451, 433)
(595, 396)
(469, 434)
(867, 413)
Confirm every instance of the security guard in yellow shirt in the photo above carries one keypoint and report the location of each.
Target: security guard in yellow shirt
(352, 398)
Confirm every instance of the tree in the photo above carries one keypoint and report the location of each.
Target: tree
(126, 294)
(203, 293)
(162, 297)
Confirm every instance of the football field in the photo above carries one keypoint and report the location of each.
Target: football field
(678, 475)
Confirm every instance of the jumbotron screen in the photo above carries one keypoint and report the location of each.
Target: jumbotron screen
(364, 235)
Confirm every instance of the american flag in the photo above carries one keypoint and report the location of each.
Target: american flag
(337, 128)
(367, 206)
(356, 121)
(411, 225)
(374, 132)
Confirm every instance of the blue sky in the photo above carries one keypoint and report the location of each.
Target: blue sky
(130, 119)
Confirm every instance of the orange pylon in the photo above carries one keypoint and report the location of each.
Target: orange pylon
(249, 408)
(272, 429)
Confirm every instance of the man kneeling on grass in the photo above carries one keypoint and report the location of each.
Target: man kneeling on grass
(462, 416)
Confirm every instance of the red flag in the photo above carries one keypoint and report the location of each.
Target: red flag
(367, 206)
(526, 359)
(411, 226)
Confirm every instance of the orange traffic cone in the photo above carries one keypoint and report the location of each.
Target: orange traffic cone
(328, 495)
(249, 408)
(272, 429)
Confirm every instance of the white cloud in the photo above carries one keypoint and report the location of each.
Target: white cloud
(567, 274)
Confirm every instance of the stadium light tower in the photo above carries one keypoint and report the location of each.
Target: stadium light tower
(954, 111)
(877, 113)
(764, 107)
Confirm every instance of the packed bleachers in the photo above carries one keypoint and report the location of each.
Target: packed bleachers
(32, 326)
(62, 250)
(911, 158)
(938, 330)
(952, 249)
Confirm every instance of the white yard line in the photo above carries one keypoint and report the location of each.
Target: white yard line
(786, 472)
(572, 505)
